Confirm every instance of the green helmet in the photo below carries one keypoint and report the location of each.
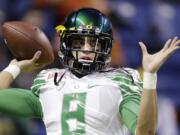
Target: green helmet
(96, 27)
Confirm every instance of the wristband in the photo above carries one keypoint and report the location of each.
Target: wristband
(14, 70)
(149, 81)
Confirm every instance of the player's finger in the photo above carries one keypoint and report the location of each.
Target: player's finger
(177, 43)
(166, 46)
(174, 41)
(174, 46)
(171, 51)
(174, 49)
(36, 56)
(143, 48)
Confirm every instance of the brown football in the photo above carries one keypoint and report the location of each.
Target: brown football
(24, 39)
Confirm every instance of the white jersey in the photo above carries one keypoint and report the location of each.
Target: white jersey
(85, 106)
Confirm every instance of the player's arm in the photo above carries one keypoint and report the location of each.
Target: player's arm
(15, 68)
(147, 117)
(20, 103)
(6, 79)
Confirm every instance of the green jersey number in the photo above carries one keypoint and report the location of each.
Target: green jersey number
(73, 114)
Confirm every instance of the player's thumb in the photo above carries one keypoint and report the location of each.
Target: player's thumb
(143, 48)
(36, 56)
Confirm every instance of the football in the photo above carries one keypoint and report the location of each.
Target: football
(24, 39)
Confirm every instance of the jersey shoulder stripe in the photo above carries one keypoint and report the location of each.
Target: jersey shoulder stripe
(128, 81)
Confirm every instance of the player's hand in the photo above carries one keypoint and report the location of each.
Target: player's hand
(29, 65)
(152, 62)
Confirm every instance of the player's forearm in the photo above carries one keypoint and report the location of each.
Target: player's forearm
(6, 79)
(8, 75)
(147, 120)
(147, 117)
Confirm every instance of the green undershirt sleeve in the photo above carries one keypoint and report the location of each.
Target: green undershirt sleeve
(129, 113)
(20, 103)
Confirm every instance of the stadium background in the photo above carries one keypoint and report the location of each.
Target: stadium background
(151, 21)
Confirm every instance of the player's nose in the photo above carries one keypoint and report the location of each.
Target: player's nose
(87, 47)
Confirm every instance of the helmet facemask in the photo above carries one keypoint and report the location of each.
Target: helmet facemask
(86, 52)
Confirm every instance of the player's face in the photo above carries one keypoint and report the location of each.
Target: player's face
(86, 44)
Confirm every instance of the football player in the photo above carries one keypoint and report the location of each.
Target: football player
(87, 97)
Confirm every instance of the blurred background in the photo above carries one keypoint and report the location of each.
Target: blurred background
(150, 21)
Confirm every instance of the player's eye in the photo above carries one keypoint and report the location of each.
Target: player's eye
(76, 47)
(78, 41)
(77, 44)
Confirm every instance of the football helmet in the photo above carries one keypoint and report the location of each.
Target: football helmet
(85, 25)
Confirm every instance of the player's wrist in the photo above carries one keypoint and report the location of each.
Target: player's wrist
(149, 81)
(14, 70)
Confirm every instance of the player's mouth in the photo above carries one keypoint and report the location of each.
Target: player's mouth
(86, 58)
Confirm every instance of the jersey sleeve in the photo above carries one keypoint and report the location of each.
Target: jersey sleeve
(130, 86)
(20, 103)
(129, 113)
(130, 105)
